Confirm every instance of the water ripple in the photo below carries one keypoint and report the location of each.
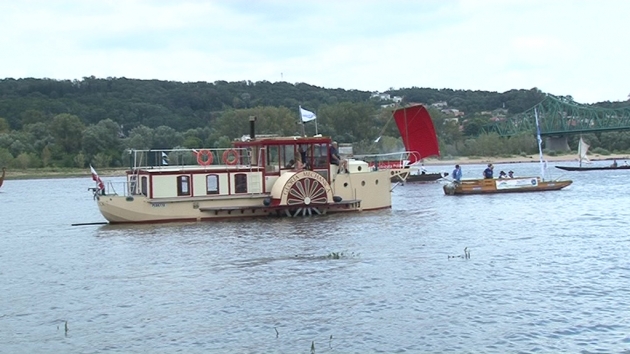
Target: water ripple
(547, 272)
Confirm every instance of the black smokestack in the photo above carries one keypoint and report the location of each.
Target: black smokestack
(252, 127)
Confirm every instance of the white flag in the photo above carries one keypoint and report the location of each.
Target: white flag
(307, 116)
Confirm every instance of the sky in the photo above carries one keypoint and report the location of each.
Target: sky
(562, 47)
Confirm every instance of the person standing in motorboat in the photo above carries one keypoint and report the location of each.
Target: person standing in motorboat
(487, 173)
(457, 174)
(510, 174)
(422, 170)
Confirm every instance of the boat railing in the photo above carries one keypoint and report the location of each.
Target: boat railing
(207, 157)
(389, 160)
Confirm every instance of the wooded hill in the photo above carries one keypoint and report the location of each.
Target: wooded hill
(45, 122)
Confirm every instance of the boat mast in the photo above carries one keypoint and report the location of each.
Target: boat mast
(582, 151)
(540, 152)
(407, 153)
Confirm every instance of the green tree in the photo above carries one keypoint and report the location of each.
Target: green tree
(46, 156)
(6, 159)
(140, 138)
(101, 137)
(474, 126)
(79, 160)
(67, 130)
(4, 126)
(166, 138)
(23, 160)
(40, 134)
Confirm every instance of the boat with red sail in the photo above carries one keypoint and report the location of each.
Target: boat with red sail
(420, 140)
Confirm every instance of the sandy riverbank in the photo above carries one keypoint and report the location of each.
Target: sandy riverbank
(521, 159)
(40, 173)
(104, 173)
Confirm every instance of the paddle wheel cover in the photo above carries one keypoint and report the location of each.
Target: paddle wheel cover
(306, 188)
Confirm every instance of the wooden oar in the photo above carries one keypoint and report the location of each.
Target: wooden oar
(91, 223)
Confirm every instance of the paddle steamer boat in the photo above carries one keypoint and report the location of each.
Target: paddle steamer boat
(254, 178)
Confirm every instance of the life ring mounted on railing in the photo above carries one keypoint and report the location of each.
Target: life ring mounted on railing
(204, 157)
(231, 157)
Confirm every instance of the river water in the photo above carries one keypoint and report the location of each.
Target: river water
(548, 272)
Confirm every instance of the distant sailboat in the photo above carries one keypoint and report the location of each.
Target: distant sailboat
(582, 150)
(583, 158)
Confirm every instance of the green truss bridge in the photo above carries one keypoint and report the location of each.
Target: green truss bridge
(559, 117)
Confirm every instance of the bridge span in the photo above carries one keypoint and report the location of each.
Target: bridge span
(560, 117)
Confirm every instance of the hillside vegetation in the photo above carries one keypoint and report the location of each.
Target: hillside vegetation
(48, 123)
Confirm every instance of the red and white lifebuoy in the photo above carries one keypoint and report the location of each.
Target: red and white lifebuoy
(231, 157)
(204, 157)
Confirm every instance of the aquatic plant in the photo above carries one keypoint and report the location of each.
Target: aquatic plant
(466, 254)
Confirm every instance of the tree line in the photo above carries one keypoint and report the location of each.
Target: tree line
(72, 123)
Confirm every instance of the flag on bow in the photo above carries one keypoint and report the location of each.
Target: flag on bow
(97, 179)
(307, 116)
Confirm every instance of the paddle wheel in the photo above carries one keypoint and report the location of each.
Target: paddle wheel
(303, 193)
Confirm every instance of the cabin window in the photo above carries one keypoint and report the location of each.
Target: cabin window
(183, 185)
(287, 156)
(320, 155)
(240, 183)
(212, 184)
(144, 185)
(273, 164)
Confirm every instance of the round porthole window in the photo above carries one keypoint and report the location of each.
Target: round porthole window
(362, 183)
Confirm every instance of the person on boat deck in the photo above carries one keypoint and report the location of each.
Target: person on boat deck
(614, 164)
(457, 174)
(487, 173)
(422, 169)
(502, 174)
(511, 174)
(298, 166)
(335, 159)
(302, 153)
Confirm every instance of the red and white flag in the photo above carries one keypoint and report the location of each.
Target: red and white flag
(97, 179)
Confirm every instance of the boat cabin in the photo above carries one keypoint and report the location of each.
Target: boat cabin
(251, 167)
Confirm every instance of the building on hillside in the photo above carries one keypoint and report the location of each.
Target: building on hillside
(385, 97)
(439, 105)
(452, 112)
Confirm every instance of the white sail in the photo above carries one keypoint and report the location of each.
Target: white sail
(543, 163)
(582, 150)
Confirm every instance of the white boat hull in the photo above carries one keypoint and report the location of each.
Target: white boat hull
(348, 192)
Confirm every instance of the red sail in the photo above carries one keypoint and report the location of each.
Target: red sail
(417, 131)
